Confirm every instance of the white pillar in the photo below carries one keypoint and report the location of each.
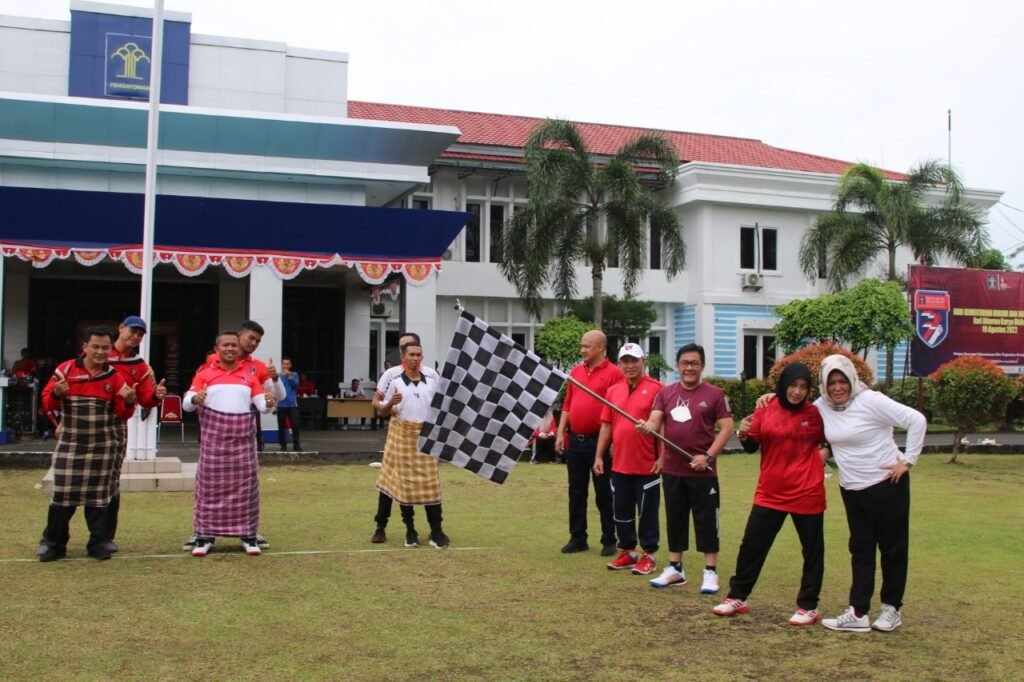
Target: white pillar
(421, 308)
(266, 301)
(15, 315)
(356, 358)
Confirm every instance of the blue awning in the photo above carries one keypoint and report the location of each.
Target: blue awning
(112, 221)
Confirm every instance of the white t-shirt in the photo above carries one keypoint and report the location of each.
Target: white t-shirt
(391, 373)
(416, 396)
(861, 437)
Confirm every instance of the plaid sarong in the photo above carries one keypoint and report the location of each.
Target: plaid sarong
(406, 475)
(88, 450)
(227, 478)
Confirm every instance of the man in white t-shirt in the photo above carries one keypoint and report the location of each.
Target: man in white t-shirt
(384, 501)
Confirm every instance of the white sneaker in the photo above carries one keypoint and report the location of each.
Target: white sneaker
(805, 617)
(251, 546)
(888, 620)
(710, 584)
(731, 607)
(848, 621)
(670, 577)
(203, 547)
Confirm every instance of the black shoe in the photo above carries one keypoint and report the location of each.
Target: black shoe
(190, 544)
(101, 553)
(262, 542)
(438, 540)
(412, 538)
(48, 552)
(379, 537)
(296, 447)
(572, 547)
(609, 550)
(112, 546)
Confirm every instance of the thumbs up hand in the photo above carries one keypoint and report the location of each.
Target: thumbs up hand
(160, 391)
(271, 369)
(128, 393)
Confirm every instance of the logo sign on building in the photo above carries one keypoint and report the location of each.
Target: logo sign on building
(111, 56)
(966, 312)
(128, 66)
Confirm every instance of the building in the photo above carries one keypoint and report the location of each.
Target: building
(280, 200)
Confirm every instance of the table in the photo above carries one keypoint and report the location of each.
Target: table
(350, 408)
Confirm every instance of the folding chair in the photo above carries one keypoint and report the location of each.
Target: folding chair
(170, 413)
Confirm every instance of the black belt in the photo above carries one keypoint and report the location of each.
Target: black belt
(583, 436)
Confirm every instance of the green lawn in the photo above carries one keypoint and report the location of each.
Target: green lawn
(502, 603)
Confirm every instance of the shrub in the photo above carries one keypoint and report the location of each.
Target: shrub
(741, 398)
(812, 356)
(905, 392)
(971, 391)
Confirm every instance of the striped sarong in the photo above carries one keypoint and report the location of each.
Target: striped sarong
(227, 478)
(407, 475)
(88, 453)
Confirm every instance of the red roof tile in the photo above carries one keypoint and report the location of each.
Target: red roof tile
(512, 132)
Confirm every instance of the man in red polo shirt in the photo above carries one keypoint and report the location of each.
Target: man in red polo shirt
(581, 419)
(636, 489)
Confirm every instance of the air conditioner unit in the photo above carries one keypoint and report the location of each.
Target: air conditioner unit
(753, 281)
(382, 309)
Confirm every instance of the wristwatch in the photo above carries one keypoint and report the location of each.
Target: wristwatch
(710, 458)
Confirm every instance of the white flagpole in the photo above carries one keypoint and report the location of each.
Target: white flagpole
(152, 132)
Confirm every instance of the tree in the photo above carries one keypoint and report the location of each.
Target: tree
(990, 259)
(971, 391)
(812, 356)
(571, 194)
(870, 314)
(874, 216)
(624, 319)
(558, 341)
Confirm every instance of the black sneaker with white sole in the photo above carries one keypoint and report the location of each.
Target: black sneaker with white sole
(412, 538)
(190, 544)
(262, 542)
(439, 540)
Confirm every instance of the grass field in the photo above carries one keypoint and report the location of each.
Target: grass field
(502, 603)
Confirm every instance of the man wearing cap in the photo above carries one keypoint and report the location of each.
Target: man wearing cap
(124, 357)
(581, 419)
(636, 488)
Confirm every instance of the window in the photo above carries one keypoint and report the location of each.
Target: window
(654, 348)
(822, 263)
(655, 247)
(473, 234)
(497, 223)
(769, 240)
(421, 204)
(758, 355)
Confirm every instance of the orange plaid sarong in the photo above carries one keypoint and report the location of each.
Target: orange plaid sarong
(407, 475)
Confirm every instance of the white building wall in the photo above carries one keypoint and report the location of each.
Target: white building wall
(34, 55)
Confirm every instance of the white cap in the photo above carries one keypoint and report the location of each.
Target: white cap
(632, 350)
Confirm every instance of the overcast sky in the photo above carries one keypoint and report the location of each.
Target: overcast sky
(867, 81)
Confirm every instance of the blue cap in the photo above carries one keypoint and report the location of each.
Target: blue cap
(135, 322)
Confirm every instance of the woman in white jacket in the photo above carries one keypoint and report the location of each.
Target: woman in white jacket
(874, 481)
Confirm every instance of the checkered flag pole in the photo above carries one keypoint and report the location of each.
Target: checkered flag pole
(492, 396)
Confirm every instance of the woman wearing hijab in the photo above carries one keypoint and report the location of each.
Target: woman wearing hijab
(875, 485)
(789, 432)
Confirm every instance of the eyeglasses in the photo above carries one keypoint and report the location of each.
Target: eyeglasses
(689, 363)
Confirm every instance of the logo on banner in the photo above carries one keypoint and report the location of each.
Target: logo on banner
(931, 310)
(128, 65)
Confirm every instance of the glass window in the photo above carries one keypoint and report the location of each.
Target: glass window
(497, 223)
(769, 251)
(758, 355)
(655, 247)
(747, 248)
(769, 248)
(473, 234)
(421, 204)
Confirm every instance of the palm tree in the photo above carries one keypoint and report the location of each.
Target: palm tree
(570, 193)
(873, 216)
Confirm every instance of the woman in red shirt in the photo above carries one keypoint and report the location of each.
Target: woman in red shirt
(790, 433)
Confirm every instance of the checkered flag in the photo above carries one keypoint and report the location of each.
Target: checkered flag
(492, 397)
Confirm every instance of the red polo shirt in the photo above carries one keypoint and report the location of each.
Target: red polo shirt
(632, 453)
(135, 372)
(585, 411)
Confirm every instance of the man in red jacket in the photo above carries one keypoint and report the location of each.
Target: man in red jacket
(94, 402)
(125, 358)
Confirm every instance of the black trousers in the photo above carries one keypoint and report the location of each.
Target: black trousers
(385, 504)
(879, 521)
(763, 525)
(58, 526)
(637, 501)
(291, 414)
(685, 495)
(580, 466)
(113, 510)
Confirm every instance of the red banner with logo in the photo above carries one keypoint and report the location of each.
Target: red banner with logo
(960, 312)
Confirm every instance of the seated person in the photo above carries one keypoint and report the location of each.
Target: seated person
(354, 392)
(24, 367)
(306, 387)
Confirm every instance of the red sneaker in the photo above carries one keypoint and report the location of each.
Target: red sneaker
(645, 566)
(626, 559)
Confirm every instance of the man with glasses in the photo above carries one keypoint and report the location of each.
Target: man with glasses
(687, 414)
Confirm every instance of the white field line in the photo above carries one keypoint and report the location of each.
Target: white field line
(266, 553)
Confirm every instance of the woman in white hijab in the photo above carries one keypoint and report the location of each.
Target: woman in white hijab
(874, 481)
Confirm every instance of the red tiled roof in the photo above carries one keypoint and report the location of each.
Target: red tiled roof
(502, 130)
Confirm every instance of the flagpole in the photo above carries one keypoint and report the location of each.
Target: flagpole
(630, 418)
(149, 198)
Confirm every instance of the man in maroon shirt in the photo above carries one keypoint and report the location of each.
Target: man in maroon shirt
(688, 412)
(636, 491)
(581, 418)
